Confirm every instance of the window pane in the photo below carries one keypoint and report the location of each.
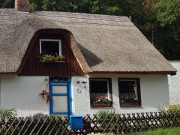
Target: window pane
(128, 89)
(60, 104)
(59, 89)
(50, 47)
(99, 88)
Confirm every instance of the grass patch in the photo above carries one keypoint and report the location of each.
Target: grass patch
(167, 131)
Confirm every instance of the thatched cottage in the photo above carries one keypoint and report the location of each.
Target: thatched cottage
(87, 63)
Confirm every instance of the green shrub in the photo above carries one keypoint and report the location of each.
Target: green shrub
(171, 108)
(104, 119)
(5, 113)
(174, 108)
(104, 113)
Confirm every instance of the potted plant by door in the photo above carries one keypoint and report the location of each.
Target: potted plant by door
(46, 95)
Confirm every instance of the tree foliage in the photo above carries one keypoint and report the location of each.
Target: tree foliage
(167, 13)
(6, 3)
(158, 19)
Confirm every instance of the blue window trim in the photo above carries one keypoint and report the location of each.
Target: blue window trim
(58, 82)
(69, 96)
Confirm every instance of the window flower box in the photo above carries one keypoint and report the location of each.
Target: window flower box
(100, 101)
(48, 58)
(52, 62)
(102, 104)
(130, 104)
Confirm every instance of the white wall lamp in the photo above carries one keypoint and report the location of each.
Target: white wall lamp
(46, 80)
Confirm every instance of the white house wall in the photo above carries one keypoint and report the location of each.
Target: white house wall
(23, 94)
(174, 84)
(154, 94)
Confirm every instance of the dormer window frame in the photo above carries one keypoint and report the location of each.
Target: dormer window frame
(57, 40)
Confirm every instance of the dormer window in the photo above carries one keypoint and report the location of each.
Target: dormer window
(50, 50)
(50, 47)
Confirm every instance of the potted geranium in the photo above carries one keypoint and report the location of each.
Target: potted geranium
(100, 101)
(48, 58)
(46, 95)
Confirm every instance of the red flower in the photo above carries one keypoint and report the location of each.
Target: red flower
(48, 93)
(45, 91)
(101, 96)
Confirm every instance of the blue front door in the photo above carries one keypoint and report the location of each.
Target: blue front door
(60, 101)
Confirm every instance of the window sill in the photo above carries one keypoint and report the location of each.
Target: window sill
(94, 105)
(52, 62)
(130, 105)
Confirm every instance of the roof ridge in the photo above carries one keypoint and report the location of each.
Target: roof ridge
(76, 13)
(94, 22)
(83, 15)
(84, 18)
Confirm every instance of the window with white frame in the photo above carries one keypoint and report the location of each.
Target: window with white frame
(100, 91)
(51, 47)
(129, 92)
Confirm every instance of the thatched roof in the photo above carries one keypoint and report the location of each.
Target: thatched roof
(102, 43)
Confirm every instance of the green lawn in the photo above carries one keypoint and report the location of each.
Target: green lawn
(167, 131)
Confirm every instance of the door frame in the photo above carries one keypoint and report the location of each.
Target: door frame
(69, 96)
